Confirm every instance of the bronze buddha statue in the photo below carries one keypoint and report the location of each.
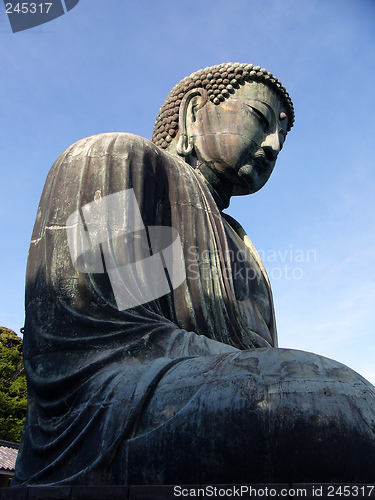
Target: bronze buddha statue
(188, 387)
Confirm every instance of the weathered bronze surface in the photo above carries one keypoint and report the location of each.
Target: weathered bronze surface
(188, 388)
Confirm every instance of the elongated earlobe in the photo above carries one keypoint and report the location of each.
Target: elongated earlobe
(192, 101)
(184, 146)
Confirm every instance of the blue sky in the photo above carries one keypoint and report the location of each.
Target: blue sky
(107, 65)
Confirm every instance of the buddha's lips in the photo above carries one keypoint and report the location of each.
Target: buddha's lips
(260, 161)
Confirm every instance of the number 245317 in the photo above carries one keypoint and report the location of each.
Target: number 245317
(26, 7)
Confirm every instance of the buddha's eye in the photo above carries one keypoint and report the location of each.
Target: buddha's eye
(260, 115)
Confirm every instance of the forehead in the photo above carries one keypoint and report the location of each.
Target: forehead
(256, 91)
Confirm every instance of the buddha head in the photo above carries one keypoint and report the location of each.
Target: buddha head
(229, 122)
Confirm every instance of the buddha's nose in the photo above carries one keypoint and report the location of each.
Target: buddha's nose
(271, 146)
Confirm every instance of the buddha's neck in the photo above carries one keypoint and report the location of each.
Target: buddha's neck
(218, 184)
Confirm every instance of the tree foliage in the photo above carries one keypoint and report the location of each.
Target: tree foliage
(13, 394)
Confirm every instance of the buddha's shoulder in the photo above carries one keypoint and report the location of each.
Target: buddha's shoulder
(120, 145)
(110, 142)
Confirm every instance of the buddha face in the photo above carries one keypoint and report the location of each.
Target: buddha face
(241, 137)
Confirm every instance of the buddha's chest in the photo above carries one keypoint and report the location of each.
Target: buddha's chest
(251, 288)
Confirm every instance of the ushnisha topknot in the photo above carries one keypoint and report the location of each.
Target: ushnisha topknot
(220, 82)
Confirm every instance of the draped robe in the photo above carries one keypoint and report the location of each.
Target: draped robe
(90, 364)
(94, 371)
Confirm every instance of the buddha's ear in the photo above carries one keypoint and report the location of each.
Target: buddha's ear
(192, 101)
